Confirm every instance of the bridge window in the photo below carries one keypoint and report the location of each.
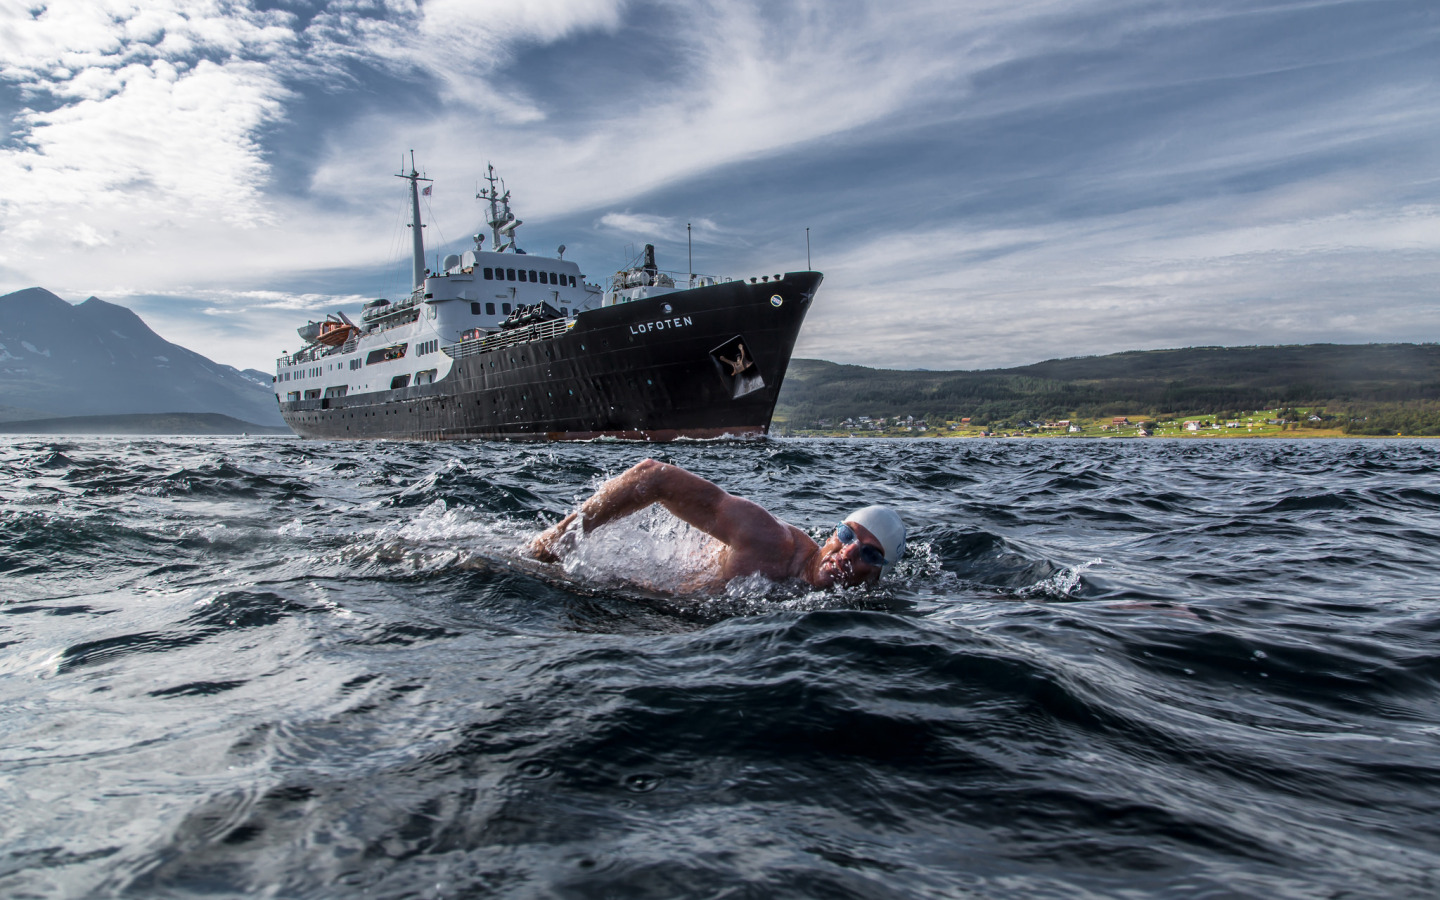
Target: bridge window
(572, 280)
(505, 308)
(489, 274)
(475, 309)
(534, 279)
(509, 274)
(489, 309)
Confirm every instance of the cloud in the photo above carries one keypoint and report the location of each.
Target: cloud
(661, 227)
(638, 225)
(246, 302)
(141, 143)
(1143, 279)
(142, 124)
(147, 153)
(987, 180)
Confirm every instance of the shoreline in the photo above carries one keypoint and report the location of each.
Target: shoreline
(1285, 436)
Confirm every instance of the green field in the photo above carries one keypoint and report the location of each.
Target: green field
(1249, 424)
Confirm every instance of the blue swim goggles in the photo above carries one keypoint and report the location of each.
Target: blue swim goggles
(870, 555)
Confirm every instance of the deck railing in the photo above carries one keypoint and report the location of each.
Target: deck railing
(541, 331)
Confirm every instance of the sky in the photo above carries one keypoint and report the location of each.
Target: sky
(986, 183)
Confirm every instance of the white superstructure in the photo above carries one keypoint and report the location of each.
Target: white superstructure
(396, 343)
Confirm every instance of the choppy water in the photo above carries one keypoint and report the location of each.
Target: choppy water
(274, 668)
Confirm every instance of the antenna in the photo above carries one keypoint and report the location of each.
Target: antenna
(689, 254)
(808, 267)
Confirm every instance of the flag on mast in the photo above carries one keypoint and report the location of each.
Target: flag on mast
(426, 191)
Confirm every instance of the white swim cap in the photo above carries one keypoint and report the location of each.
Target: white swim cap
(889, 530)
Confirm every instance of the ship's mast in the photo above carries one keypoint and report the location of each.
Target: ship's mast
(502, 221)
(417, 239)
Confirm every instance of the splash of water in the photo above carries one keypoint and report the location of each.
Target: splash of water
(651, 549)
(1061, 585)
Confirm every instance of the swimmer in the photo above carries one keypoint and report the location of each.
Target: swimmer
(863, 547)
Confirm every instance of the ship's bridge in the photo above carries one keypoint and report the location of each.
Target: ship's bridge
(480, 288)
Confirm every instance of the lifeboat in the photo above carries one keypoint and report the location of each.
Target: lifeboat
(333, 334)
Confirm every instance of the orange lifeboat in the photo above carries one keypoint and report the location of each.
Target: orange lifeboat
(333, 334)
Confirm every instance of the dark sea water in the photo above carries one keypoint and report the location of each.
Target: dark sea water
(239, 667)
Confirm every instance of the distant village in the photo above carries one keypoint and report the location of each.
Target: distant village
(1249, 423)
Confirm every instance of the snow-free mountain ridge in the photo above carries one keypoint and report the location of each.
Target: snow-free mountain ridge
(97, 358)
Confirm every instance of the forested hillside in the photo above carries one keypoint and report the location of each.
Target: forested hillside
(1394, 380)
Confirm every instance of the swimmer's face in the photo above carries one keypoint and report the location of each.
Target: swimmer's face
(844, 564)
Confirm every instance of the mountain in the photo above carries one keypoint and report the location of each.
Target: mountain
(16, 414)
(97, 358)
(142, 423)
(1207, 380)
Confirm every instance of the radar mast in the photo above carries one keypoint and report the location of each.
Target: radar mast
(417, 239)
(502, 221)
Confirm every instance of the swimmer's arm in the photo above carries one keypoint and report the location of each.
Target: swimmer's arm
(732, 520)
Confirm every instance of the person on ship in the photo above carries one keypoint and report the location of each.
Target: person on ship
(863, 547)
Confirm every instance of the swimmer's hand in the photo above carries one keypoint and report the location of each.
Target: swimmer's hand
(547, 547)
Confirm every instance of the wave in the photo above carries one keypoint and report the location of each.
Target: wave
(309, 669)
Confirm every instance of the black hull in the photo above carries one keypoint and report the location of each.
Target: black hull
(631, 371)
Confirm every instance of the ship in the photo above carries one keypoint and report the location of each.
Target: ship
(500, 344)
